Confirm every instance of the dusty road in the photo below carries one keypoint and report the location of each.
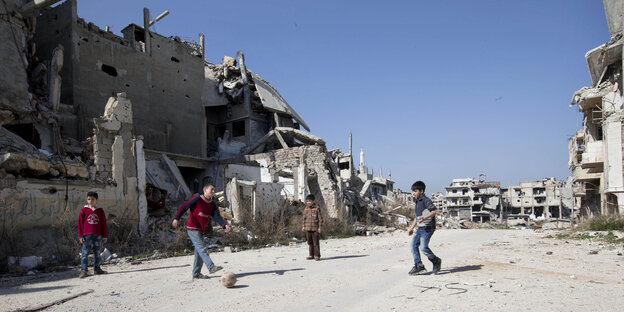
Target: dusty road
(488, 270)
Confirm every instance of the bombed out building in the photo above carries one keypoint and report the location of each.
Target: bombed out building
(144, 119)
(596, 150)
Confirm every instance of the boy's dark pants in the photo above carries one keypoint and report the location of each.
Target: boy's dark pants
(313, 243)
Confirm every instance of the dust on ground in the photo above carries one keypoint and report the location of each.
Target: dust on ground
(491, 270)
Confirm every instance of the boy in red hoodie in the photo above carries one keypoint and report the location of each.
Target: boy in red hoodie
(92, 233)
(202, 211)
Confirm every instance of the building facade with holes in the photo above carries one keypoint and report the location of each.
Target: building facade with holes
(596, 150)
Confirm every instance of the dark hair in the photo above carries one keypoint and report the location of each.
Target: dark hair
(208, 185)
(310, 197)
(92, 194)
(418, 185)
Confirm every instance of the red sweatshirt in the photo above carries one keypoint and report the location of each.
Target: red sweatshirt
(92, 222)
(201, 213)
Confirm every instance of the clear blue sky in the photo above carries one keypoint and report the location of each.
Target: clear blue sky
(432, 90)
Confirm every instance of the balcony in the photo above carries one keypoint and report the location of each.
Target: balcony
(593, 155)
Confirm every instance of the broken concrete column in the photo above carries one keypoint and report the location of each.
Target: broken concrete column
(54, 85)
(231, 190)
(141, 177)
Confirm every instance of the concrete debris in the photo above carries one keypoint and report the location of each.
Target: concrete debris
(139, 152)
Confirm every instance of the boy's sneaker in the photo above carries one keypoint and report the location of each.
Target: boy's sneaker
(437, 265)
(99, 271)
(82, 274)
(200, 276)
(215, 268)
(416, 269)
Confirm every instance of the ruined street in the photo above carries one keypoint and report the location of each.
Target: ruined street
(492, 270)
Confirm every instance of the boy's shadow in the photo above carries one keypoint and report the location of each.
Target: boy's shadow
(343, 257)
(472, 267)
(278, 272)
(150, 269)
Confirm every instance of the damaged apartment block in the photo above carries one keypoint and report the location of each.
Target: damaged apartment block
(596, 150)
(146, 121)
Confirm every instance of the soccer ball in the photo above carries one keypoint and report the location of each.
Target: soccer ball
(228, 279)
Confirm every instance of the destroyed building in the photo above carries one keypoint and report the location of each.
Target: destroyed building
(483, 201)
(145, 120)
(475, 200)
(596, 150)
(545, 199)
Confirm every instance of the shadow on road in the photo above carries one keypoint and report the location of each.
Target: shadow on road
(458, 269)
(150, 269)
(12, 291)
(278, 272)
(343, 257)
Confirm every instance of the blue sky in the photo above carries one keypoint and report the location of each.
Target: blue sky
(432, 90)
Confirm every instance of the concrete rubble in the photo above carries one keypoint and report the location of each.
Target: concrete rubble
(83, 109)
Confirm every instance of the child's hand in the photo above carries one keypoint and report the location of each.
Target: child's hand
(319, 230)
(228, 228)
(174, 223)
(82, 241)
(302, 230)
(410, 232)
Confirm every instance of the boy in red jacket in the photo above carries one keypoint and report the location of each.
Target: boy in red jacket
(92, 232)
(202, 210)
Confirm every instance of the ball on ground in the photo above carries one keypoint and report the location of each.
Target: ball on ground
(228, 279)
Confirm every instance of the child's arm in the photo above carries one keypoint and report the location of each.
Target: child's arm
(192, 202)
(80, 227)
(320, 219)
(303, 222)
(217, 217)
(104, 226)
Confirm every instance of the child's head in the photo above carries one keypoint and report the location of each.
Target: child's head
(418, 188)
(92, 198)
(209, 190)
(310, 200)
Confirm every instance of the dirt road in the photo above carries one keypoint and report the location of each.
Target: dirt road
(488, 270)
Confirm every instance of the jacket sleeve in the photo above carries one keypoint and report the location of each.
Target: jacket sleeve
(217, 216)
(104, 229)
(429, 205)
(80, 224)
(192, 202)
(320, 216)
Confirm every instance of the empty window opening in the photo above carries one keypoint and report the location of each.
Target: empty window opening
(344, 165)
(238, 128)
(26, 132)
(175, 59)
(112, 71)
(139, 34)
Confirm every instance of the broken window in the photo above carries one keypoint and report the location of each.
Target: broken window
(238, 128)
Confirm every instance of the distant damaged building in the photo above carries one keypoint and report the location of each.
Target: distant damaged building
(475, 200)
(596, 150)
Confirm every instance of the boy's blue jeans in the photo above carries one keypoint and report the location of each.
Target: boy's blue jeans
(421, 238)
(201, 252)
(92, 242)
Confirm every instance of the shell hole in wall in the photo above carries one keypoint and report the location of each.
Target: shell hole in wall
(84, 39)
(187, 96)
(175, 59)
(127, 85)
(110, 70)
